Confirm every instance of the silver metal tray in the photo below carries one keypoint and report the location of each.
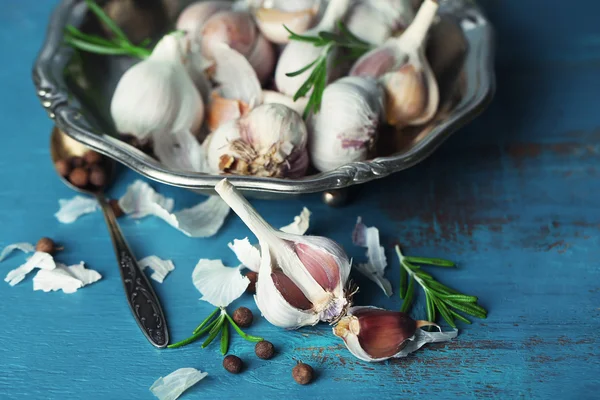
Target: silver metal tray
(76, 88)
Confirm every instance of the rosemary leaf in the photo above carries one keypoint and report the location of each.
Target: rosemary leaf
(94, 48)
(423, 275)
(438, 262)
(211, 337)
(96, 9)
(469, 308)
(461, 298)
(403, 282)
(206, 321)
(194, 337)
(410, 291)
(430, 307)
(444, 312)
(301, 70)
(244, 335)
(73, 32)
(460, 317)
(225, 339)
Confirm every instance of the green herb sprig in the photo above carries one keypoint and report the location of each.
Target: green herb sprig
(216, 323)
(317, 80)
(119, 45)
(440, 299)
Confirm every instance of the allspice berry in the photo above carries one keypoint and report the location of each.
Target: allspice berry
(264, 350)
(232, 364)
(77, 162)
(91, 157)
(253, 277)
(302, 373)
(114, 204)
(79, 177)
(46, 245)
(62, 167)
(97, 177)
(243, 317)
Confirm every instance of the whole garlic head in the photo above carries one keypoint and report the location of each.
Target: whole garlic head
(400, 64)
(301, 279)
(157, 96)
(345, 129)
(268, 141)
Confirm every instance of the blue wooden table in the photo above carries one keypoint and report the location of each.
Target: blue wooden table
(514, 198)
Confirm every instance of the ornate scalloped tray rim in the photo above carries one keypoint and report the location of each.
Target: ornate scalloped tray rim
(54, 96)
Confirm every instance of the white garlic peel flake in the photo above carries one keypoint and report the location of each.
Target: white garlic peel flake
(374, 269)
(67, 279)
(300, 225)
(70, 210)
(219, 285)
(160, 268)
(203, 220)
(24, 247)
(39, 260)
(246, 253)
(173, 385)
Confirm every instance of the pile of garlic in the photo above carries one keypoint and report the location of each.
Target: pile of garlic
(217, 93)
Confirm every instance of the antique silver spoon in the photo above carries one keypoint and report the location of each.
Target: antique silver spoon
(142, 300)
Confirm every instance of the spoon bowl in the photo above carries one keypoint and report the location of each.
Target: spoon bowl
(142, 300)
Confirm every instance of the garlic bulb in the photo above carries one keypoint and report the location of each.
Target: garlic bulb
(401, 66)
(345, 129)
(299, 54)
(297, 15)
(157, 96)
(301, 279)
(376, 21)
(373, 334)
(238, 30)
(268, 141)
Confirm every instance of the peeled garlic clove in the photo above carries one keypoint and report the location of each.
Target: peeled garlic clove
(401, 66)
(376, 21)
(269, 141)
(233, 28)
(299, 54)
(345, 129)
(298, 16)
(157, 96)
(301, 278)
(375, 334)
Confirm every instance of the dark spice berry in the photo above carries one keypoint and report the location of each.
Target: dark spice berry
(114, 204)
(97, 177)
(46, 245)
(243, 317)
(264, 350)
(91, 157)
(232, 364)
(62, 167)
(79, 177)
(253, 276)
(302, 373)
(77, 162)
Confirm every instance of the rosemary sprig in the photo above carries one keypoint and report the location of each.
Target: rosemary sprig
(317, 80)
(119, 45)
(216, 323)
(440, 299)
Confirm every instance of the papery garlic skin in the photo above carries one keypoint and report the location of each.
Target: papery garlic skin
(299, 54)
(345, 129)
(157, 96)
(269, 141)
(311, 271)
(298, 16)
(376, 21)
(400, 65)
(374, 334)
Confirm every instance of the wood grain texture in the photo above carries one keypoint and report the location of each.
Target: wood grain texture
(513, 198)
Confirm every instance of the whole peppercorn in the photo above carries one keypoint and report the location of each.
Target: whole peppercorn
(91, 157)
(264, 350)
(114, 204)
(232, 364)
(46, 245)
(97, 177)
(253, 276)
(243, 317)
(77, 162)
(79, 177)
(62, 167)
(302, 373)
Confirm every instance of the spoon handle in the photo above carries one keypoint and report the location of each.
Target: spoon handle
(141, 297)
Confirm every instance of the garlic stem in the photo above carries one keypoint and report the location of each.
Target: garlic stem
(242, 207)
(415, 34)
(335, 10)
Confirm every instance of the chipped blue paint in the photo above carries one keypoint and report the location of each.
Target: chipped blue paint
(513, 198)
